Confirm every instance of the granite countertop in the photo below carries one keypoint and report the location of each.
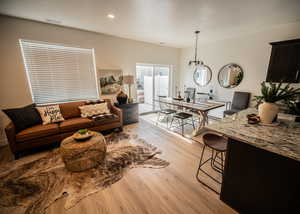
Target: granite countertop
(283, 139)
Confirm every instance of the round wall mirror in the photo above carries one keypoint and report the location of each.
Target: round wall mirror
(202, 75)
(230, 75)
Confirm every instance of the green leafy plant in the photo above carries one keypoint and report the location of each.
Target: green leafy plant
(293, 105)
(82, 131)
(276, 92)
(239, 78)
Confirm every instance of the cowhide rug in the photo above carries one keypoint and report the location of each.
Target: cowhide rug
(33, 186)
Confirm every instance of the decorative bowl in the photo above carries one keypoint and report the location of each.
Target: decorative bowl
(253, 119)
(178, 98)
(82, 137)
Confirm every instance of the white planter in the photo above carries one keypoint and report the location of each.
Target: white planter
(267, 112)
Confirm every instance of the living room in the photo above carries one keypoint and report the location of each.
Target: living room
(108, 107)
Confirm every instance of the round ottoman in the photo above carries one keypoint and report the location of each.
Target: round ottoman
(82, 155)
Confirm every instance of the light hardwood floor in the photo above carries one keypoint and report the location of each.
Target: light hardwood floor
(173, 189)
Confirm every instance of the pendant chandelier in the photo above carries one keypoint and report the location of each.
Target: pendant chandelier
(196, 62)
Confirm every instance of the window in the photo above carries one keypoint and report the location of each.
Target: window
(58, 73)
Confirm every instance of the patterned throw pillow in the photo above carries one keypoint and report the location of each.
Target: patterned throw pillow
(50, 114)
(92, 110)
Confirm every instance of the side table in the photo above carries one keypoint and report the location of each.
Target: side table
(130, 112)
(82, 155)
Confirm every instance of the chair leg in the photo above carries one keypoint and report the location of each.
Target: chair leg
(158, 116)
(182, 127)
(193, 122)
(213, 158)
(213, 162)
(203, 171)
(171, 122)
(167, 121)
(200, 163)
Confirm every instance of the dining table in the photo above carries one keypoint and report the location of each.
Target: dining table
(201, 108)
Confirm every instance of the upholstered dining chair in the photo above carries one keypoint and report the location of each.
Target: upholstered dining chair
(240, 102)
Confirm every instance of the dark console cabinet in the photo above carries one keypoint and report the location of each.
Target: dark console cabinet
(130, 112)
(284, 62)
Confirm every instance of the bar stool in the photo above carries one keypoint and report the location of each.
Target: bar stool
(218, 145)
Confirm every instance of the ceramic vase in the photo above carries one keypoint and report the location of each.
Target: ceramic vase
(122, 98)
(267, 112)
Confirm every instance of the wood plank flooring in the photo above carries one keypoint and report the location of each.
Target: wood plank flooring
(173, 189)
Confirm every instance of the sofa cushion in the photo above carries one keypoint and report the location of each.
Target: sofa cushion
(24, 117)
(37, 131)
(50, 114)
(93, 109)
(74, 124)
(70, 110)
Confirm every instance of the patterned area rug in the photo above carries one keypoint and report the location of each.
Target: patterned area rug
(33, 186)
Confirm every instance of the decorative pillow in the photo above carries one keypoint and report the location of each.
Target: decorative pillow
(89, 102)
(24, 117)
(92, 110)
(50, 114)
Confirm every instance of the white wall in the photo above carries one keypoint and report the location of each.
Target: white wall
(251, 52)
(110, 52)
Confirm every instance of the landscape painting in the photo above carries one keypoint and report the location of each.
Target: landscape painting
(110, 81)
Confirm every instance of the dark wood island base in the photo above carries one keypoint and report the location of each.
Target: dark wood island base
(262, 164)
(259, 181)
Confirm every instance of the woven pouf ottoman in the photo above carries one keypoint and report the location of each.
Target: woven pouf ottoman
(82, 155)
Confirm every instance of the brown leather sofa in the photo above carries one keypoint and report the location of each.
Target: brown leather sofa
(41, 135)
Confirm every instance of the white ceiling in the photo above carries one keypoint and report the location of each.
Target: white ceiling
(170, 21)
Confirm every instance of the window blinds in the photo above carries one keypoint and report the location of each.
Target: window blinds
(58, 73)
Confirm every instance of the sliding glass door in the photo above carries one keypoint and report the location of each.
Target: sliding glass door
(152, 81)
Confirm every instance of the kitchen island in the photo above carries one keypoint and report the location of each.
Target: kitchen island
(262, 165)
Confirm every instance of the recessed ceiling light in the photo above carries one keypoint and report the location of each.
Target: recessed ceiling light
(111, 16)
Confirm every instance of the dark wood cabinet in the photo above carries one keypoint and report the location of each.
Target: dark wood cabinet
(130, 112)
(259, 181)
(284, 62)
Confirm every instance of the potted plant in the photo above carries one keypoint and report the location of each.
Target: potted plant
(270, 94)
(239, 78)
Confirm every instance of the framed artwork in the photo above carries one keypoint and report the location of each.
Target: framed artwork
(110, 81)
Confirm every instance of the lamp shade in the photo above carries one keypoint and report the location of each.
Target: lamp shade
(128, 79)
